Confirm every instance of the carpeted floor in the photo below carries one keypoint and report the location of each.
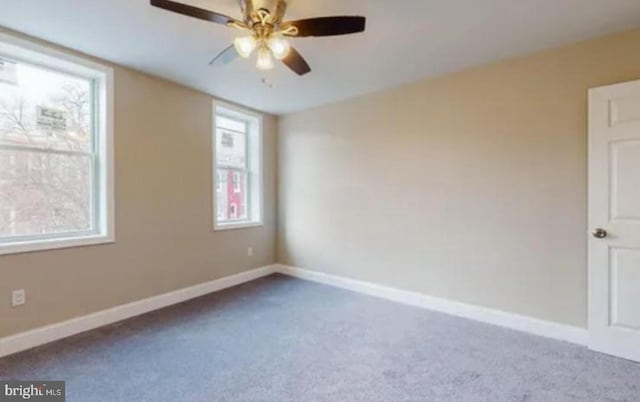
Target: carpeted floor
(283, 339)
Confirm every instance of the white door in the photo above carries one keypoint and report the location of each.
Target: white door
(614, 220)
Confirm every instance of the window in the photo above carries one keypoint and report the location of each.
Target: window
(55, 149)
(238, 168)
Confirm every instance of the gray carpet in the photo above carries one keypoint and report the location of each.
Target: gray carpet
(283, 339)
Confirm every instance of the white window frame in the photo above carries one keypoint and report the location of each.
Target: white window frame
(217, 181)
(12, 47)
(255, 196)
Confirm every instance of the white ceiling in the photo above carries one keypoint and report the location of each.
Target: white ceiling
(406, 40)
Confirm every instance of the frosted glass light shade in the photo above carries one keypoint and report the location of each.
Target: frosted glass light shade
(265, 60)
(279, 47)
(245, 45)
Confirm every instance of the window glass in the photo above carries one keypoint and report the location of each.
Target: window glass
(46, 110)
(231, 149)
(43, 193)
(231, 124)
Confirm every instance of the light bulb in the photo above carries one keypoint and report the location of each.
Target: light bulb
(279, 46)
(265, 61)
(245, 45)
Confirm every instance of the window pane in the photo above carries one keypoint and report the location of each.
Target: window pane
(231, 149)
(231, 124)
(43, 193)
(231, 196)
(44, 109)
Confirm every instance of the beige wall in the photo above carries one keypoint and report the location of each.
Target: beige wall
(164, 230)
(470, 187)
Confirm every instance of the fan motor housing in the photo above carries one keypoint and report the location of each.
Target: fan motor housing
(275, 9)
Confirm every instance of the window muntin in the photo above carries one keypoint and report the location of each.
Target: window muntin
(237, 175)
(55, 150)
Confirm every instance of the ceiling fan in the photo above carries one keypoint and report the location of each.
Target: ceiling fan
(268, 32)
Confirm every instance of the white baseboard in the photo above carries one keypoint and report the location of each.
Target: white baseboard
(513, 321)
(40, 336)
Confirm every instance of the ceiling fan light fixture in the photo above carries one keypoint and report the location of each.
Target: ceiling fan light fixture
(265, 59)
(245, 45)
(267, 29)
(279, 47)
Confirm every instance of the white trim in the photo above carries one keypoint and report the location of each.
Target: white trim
(47, 57)
(107, 151)
(490, 316)
(40, 336)
(256, 203)
(54, 243)
(238, 225)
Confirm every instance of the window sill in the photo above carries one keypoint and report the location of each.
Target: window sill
(234, 226)
(53, 244)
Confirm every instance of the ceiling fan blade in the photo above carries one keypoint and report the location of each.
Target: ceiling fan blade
(192, 11)
(296, 62)
(327, 26)
(225, 57)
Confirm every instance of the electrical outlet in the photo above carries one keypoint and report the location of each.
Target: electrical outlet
(18, 298)
(250, 251)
